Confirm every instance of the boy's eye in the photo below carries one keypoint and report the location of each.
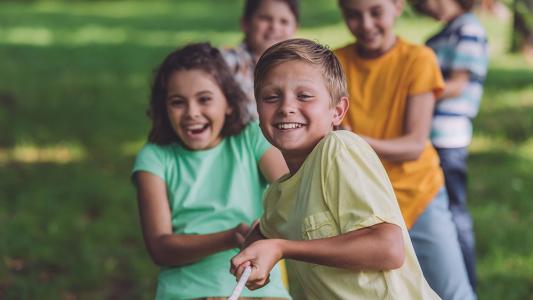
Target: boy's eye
(270, 98)
(204, 99)
(305, 97)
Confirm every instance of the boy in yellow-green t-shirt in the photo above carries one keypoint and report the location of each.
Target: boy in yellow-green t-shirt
(334, 217)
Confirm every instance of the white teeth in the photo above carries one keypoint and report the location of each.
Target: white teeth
(289, 125)
(195, 127)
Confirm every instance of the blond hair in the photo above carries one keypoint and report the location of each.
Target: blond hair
(309, 52)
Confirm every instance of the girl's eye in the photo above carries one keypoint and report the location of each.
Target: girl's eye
(377, 13)
(352, 15)
(177, 103)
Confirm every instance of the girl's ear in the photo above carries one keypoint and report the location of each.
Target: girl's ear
(229, 110)
(244, 26)
(339, 111)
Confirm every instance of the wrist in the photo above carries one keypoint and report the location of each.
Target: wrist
(284, 248)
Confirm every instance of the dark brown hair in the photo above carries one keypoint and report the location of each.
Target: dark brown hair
(199, 56)
(309, 52)
(466, 5)
(251, 6)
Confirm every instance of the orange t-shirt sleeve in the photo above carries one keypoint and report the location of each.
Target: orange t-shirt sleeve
(425, 75)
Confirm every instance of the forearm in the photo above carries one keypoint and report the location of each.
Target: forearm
(378, 247)
(453, 89)
(178, 250)
(455, 84)
(404, 148)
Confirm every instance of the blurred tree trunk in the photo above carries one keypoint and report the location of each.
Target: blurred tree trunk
(522, 26)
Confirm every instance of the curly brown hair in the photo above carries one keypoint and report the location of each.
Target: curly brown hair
(197, 56)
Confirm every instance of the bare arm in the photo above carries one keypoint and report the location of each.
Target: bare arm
(417, 124)
(272, 164)
(378, 247)
(166, 248)
(455, 84)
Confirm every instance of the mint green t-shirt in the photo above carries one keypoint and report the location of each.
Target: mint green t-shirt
(210, 191)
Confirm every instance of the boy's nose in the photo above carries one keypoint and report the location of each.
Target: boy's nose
(287, 107)
(366, 22)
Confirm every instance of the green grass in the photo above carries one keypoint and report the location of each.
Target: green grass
(73, 93)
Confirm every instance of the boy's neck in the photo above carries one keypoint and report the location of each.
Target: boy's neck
(376, 53)
(294, 164)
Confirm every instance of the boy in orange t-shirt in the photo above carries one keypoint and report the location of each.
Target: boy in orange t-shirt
(392, 86)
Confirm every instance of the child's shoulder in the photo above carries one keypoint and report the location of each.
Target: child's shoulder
(412, 49)
(470, 25)
(344, 140)
(156, 150)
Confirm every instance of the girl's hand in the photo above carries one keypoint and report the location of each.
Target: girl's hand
(262, 255)
(239, 234)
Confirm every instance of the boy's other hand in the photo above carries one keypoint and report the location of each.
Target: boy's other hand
(262, 256)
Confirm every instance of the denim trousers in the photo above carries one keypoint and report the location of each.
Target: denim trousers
(454, 164)
(434, 238)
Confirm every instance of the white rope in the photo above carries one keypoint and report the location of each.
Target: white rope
(240, 285)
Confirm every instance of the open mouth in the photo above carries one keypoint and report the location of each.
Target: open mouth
(288, 126)
(196, 129)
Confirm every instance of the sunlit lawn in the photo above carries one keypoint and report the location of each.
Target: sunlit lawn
(73, 93)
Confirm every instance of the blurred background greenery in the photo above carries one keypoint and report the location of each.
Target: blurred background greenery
(74, 80)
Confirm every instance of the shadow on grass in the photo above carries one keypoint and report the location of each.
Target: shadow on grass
(504, 79)
(514, 123)
(77, 221)
(499, 198)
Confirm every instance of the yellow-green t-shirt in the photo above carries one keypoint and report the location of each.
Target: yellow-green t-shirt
(378, 91)
(340, 187)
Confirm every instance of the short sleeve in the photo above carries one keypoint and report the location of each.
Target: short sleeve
(256, 140)
(471, 51)
(150, 159)
(357, 189)
(424, 73)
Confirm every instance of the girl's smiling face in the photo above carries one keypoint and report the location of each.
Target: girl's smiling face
(272, 22)
(196, 108)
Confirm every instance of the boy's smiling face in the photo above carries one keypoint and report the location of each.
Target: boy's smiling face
(296, 110)
(372, 22)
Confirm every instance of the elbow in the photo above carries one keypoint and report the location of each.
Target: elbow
(416, 151)
(395, 258)
(157, 258)
(394, 255)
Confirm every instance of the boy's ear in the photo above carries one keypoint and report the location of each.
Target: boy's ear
(340, 110)
(398, 4)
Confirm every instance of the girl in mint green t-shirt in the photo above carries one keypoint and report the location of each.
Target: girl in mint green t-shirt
(201, 176)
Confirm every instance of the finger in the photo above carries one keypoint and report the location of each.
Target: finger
(241, 269)
(240, 239)
(252, 228)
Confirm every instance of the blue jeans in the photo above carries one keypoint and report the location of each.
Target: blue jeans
(453, 163)
(437, 248)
